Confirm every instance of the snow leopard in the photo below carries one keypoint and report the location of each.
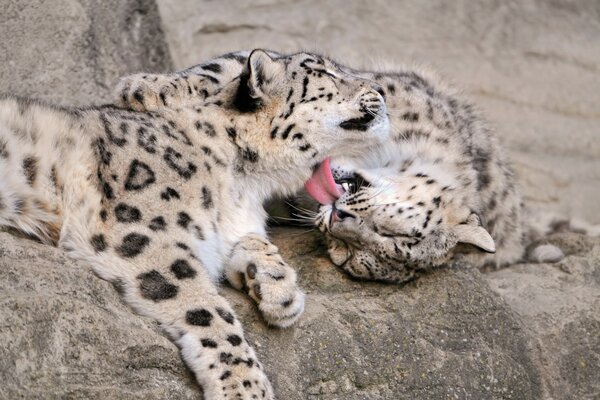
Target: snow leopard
(439, 189)
(165, 202)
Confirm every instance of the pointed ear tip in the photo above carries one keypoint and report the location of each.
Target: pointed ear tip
(490, 250)
(258, 53)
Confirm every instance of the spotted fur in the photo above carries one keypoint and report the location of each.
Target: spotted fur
(440, 189)
(440, 177)
(165, 202)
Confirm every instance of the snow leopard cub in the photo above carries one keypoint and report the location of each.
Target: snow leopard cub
(163, 203)
(439, 189)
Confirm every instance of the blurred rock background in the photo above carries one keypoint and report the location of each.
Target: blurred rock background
(527, 332)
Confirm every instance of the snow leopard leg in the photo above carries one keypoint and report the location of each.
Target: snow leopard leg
(256, 267)
(161, 278)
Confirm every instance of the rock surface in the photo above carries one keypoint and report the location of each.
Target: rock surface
(65, 334)
(560, 307)
(73, 51)
(533, 66)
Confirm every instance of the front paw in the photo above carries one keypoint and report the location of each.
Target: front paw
(239, 383)
(257, 268)
(272, 284)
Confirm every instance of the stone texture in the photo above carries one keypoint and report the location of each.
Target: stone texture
(533, 66)
(560, 306)
(533, 335)
(65, 334)
(73, 51)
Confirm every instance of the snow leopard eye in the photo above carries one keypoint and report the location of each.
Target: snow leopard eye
(353, 184)
(349, 186)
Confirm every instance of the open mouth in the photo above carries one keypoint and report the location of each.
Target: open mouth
(358, 124)
(321, 186)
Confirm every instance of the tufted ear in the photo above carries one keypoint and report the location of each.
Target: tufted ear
(261, 70)
(475, 235)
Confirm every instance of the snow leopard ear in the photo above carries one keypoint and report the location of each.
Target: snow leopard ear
(261, 70)
(473, 233)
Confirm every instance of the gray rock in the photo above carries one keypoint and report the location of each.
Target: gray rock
(560, 307)
(73, 51)
(65, 334)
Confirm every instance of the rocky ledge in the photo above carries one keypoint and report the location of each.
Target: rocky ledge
(526, 332)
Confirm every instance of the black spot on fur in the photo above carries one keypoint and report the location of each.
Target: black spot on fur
(183, 219)
(119, 141)
(212, 67)
(208, 128)
(3, 149)
(250, 155)
(304, 87)
(226, 315)
(158, 224)
(125, 213)
(108, 190)
(410, 116)
(207, 200)
(140, 176)
(98, 243)
(138, 96)
(174, 160)
(231, 132)
(235, 340)
(391, 88)
(103, 215)
(169, 193)
(146, 140)
(237, 57)
(198, 317)
(30, 169)
(133, 244)
(225, 375)
(182, 246)
(209, 343)
(287, 131)
(437, 200)
(102, 153)
(176, 134)
(154, 286)
(182, 269)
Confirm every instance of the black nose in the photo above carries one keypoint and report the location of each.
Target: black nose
(378, 89)
(343, 214)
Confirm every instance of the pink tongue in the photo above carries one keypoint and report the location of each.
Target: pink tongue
(321, 185)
